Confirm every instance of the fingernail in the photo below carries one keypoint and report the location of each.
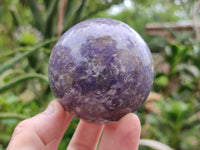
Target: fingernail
(50, 108)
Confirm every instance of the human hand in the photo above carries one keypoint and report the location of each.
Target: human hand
(45, 131)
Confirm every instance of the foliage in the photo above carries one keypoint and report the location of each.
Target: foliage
(179, 113)
(30, 28)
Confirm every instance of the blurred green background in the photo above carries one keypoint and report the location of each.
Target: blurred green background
(30, 28)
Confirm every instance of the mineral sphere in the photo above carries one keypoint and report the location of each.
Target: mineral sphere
(100, 70)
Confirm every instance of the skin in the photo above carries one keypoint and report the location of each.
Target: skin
(45, 131)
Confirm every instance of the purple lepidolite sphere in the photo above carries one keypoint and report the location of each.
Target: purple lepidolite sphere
(100, 70)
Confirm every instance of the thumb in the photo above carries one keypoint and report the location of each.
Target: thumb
(43, 131)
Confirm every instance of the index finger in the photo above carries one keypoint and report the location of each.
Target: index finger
(43, 131)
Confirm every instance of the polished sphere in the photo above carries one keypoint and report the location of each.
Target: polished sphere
(100, 70)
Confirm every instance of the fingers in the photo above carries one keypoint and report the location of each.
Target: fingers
(46, 130)
(43, 131)
(85, 137)
(124, 134)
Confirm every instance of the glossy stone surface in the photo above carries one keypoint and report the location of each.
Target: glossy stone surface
(100, 70)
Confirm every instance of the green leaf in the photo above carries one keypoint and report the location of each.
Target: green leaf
(51, 9)
(50, 18)
(79, 12)
(37, 15)
(70, 9)
(15, 16)
(15, 60)
(162, 81)
(12, 115)
(22, 79)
